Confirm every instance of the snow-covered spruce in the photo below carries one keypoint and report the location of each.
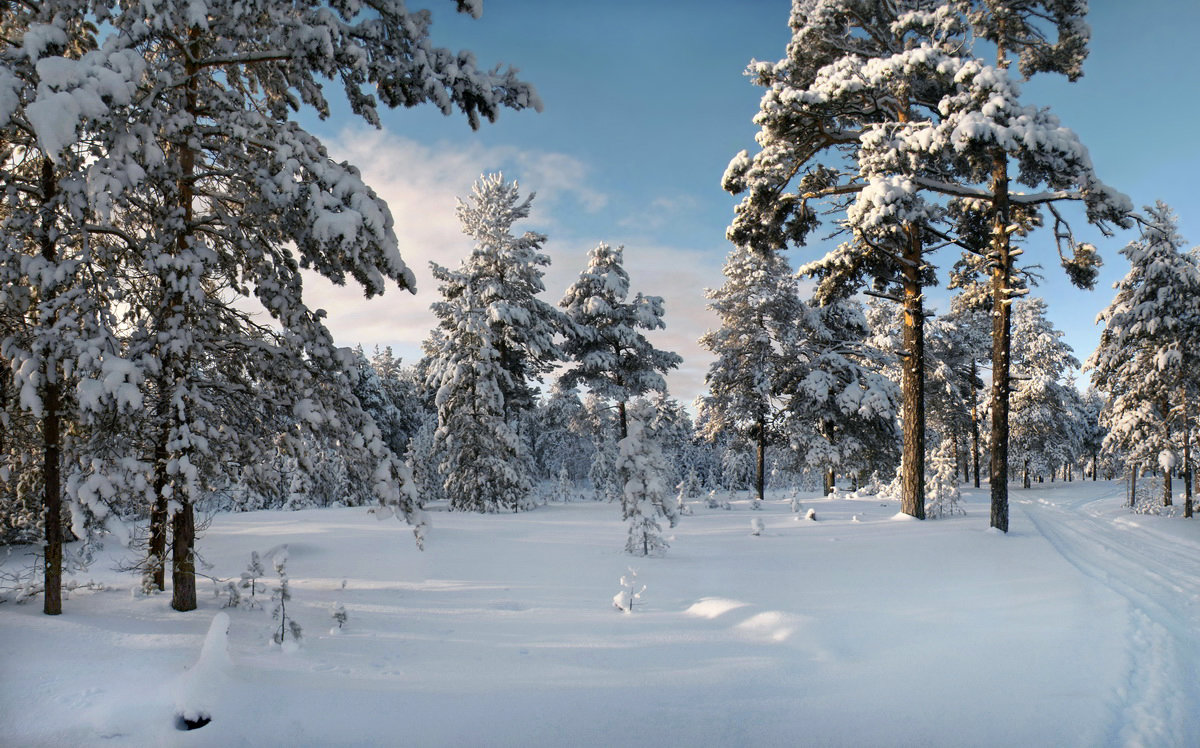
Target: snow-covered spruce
(630, 592)
(494, 340)
(640, 469)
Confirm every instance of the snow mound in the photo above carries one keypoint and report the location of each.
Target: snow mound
(902, 517)
(713, 607)
(199, 690)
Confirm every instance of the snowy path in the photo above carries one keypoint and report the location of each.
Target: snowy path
(1159, 574)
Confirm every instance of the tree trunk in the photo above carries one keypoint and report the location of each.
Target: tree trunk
(1095, 463)
(974, 423)
(1166, 443)
(1133, 472)
(51, 419)
(912, 500)
(1025, 474)
(1002, 267)
(760, 478)
(623, 418)
(829, 481)
(183, 559)
(1187, 455)
(183, 524)
(156, 556)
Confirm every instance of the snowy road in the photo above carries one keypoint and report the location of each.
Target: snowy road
(1159, 574)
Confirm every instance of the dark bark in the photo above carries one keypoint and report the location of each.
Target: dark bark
(1025, 474)
(183, 559)
(156, 557)
(975, 425)
(830, 481)
(1002, 268)
(51, 420)
(183, 525)
(624, 419)
(912, 500)
(1133, 474)
(1095, 463)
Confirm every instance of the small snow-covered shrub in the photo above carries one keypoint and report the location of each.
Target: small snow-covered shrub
(756, 526)
(288, 627)
(339, 616)
(629, 592)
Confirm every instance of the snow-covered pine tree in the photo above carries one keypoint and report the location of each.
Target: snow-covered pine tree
(58, 90)
(641, 468)
(1149, 352)
(759, 308)
(842, 414)
(607, 352)
(826, 139)
(894, 85)
(225, 80)
(1040, 36)
(1043, 413)
(495, 338)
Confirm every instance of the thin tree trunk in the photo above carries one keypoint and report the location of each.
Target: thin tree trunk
(829, 481)
(1133, 473)
(51, 421)
(156, 557)
(1167, 488)
(1187, 455)
(760, 478)
(1025, 474)
(974, 424)
(1095, 463)
(624, 419)
(912, 501)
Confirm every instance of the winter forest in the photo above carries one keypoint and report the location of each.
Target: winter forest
(899, 509)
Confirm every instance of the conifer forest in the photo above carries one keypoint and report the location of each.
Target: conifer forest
(715, 374)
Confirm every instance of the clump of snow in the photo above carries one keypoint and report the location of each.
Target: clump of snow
(756, 526)
(199, 691)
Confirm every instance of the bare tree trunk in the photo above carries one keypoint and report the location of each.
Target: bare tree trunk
(624, 419)
(830, 481)
(974, 423)
(183, 559)
(1133, 474)
(1025, 474)
(51, 421)
(912, 500)
(1002, 267)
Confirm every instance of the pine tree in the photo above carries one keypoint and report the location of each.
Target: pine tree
(226, 79)
(1043, 402)
(759, 308)
(607, 353)
(1147, 358)
(494, 337)
(641, 469)
(932, 130)
(57, 91)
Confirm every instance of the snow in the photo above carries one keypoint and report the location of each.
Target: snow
(1074, 629)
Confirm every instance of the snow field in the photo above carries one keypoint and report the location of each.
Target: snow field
(850, 630)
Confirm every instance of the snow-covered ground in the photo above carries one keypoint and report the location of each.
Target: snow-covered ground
(1077, 628)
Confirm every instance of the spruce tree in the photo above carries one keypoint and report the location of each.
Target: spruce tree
(760, 309)
(606, 351)
(1148, 359)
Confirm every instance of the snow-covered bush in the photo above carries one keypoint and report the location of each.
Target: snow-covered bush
(629, 592)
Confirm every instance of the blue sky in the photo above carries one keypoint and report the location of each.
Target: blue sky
(646, 102)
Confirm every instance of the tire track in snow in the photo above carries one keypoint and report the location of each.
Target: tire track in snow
(1160, 578)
